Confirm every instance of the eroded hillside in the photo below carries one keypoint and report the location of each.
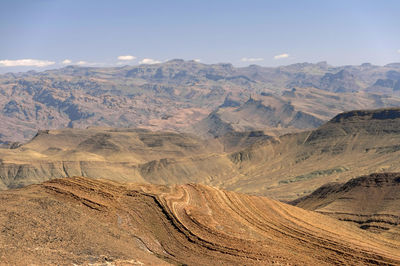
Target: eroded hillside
(60, 221)
(118, 154)
(369, 201)
(351, 144)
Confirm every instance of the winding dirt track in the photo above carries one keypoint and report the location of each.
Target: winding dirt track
(192, 224)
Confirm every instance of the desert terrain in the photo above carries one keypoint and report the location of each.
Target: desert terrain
(60, 221)
(285, 167)
(199, 133)
(291, 168)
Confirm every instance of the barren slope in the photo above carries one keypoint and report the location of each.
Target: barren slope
(351, 144)
(81, 220)
(120, 154)
(370, 201)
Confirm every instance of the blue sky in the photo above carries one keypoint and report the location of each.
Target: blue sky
(40, 34)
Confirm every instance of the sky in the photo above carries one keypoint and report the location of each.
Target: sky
(43, 34)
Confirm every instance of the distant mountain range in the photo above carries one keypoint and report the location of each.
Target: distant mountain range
(189, 96)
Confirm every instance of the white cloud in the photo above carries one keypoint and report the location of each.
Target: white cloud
(91, 64)
(398, 51)
(281, 56)
(66, 62)
(252, 59)
(85, 63)
(26, 62)
(149, 61)
(197, 60)
(126, 57)
(82, 63)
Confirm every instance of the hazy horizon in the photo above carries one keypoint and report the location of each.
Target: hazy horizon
(55, 67)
